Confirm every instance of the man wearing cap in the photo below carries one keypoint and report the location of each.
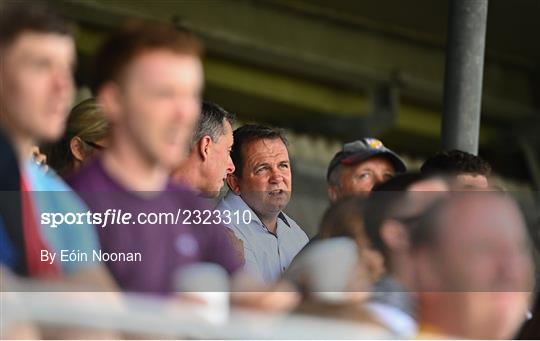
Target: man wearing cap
(359, 166)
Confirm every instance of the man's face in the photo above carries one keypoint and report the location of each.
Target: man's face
(265, 182)
(219, 163)
(434, 185)
(36, 85)
(157, 105)
(362, 177)
(483, 256)
(486, 247)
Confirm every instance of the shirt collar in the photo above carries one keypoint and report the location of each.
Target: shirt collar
(283, 217)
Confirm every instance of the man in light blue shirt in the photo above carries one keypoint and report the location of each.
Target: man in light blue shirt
(260, 188)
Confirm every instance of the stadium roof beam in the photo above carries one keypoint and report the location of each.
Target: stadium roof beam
(304, 46)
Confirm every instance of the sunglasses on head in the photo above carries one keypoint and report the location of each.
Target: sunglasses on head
(94, 145)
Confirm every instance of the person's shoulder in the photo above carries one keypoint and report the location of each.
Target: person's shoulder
(229, 201)
(42, 181)
(51, 193)
(87, 176)
(221, 204)
(185, 197)
(228, 205)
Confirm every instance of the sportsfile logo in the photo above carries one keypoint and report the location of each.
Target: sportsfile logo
(120, 217)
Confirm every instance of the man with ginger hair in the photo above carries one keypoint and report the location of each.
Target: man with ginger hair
(148, 82)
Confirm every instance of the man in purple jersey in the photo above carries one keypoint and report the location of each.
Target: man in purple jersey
(149, 79)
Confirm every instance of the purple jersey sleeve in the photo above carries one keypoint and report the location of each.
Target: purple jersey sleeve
(221, 250)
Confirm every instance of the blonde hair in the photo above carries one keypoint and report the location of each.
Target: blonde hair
(86, 121)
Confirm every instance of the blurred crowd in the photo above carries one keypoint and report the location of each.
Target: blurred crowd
(435, 253)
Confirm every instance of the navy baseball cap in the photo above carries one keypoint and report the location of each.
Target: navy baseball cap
(363, 149)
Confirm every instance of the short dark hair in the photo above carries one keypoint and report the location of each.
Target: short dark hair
(211, 121)
(456, 162)
(135, 38)
(33, 16)
(248, 133)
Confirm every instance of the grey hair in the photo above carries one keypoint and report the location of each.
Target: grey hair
(211, 122)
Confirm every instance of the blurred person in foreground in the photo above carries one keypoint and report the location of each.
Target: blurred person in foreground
(359, 166)
(467, 171)
(335, 281)
(336, 272)
(85, 137)
(12, 255)
(14, 318)
(345, 218)
(37, 56)
(406, 194)
(530, 329)
(148, 82)
(473, 267)
(261, 186)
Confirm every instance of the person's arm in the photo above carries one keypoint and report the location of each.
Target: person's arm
(96, 277)
(247, 286)
(248, 292)
(237, 245)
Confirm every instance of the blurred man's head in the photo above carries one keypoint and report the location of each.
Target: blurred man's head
(345, 218)
(262, 175)
(148, 80)
(37, 56)
(331, 271)
(473, 265)
(359, 166)
(469, 171)
(391, 204)
(209, 161)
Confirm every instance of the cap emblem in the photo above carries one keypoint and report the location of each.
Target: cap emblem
(374, 143)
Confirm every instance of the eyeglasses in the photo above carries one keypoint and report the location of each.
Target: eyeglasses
(94, 145)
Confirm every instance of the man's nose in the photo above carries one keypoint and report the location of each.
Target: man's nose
(230, 166)
(276, 176)
(180, 109)
(63, 80)
(378, 178)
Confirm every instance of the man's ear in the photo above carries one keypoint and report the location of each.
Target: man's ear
(333, 193)
(109, 99)
(395, 236)
(76, 147)
(232, 182)
(203, 147)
